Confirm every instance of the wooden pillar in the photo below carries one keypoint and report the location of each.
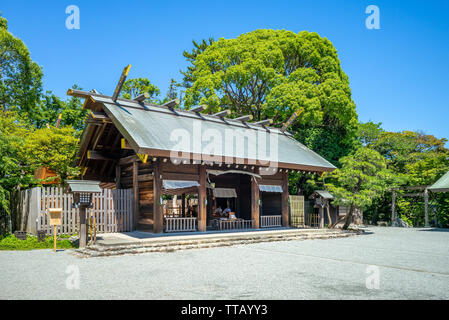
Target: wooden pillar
(202, 211)
(285, 219)
(255, 195)
(426, 207)
(321, 217)
(183, 200)
(393, 208)
(83, 228)
(118, 174)
(158, 215)
(237, 200)
(136, 206)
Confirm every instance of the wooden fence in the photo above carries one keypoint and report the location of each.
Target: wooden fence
(180, 224)
(297, 209)
(112, 210)
(234, 224)
(270, 221)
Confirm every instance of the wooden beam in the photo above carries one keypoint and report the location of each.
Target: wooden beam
(158, 215)
(284, 208)
(264, 122)
(255, 196)
(86, 141)
(101, 116)
(223, 113)
(98, 155)
(172, 103)
(291, 119)
(121, 82)
(198, 109)
(244, 118)
(183, 205)
(409, 188)
(145, 177)
(118, 173)
(202, 210)
(142, 97)
(98, 137)
(180, 176)
(143, 157)
(125, 145)
(411, 195)
(128, 160)
(136, 207)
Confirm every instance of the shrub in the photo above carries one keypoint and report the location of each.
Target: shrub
(10, 242)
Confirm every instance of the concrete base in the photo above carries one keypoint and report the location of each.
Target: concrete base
(141, 242)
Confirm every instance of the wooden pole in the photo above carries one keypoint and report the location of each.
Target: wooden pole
(158, 215)
(136, 193)
(255, 196)
(393, 208)
(54, 237)
(321, 217)
(183, 204)
(95, 230)
(117, 176)
(285, 220)
(202, 211)
(83, 229)
(426, 208)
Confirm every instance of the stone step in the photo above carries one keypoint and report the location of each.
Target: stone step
(171, 246)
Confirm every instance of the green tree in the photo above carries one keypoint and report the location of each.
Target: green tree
(71, 111)
(191, 56)
(270, 74)
(15, 174)
(417, 159)
(362, 178)
(20, 77)
(134, 87)
(54, 148)
(173, 92)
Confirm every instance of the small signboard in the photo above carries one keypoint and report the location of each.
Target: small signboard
(55, 220)
(55, 216)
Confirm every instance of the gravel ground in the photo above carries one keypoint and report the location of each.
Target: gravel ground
(411, 264)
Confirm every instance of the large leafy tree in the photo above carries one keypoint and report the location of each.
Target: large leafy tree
(362, 178)
(20, 77)
(268, 73)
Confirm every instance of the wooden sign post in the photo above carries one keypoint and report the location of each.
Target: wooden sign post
(55, 220)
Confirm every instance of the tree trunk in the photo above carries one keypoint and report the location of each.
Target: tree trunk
(348, 218)
(328, 217)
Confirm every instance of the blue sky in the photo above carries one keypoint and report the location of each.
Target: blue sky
(398, 74)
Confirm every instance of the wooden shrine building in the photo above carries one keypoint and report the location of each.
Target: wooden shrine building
(214, 164)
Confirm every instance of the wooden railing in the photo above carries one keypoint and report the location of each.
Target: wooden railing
(270, 221)
(180, 224)
(234, 224)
